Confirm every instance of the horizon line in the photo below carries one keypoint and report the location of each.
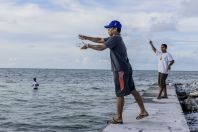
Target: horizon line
(96, 69)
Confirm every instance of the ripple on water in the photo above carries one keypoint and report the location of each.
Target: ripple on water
(3, 86)
(67, 100)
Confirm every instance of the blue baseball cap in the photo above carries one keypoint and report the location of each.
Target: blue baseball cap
(115, 24)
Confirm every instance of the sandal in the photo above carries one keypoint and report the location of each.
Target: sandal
(164, 97)
(140, 116)
(159, 97)
(113, 121)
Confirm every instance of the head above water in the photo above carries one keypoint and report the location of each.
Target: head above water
(164, 48)
(34, 79)
(114, 27)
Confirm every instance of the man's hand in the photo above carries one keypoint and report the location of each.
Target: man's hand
(84, 46)
(171, 63)
(153, 48)
(169, 67)
(121, 80)
(82, 37)
(150, 42)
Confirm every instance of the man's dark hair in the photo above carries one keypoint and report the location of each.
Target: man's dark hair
(119, 30)
(165, 45)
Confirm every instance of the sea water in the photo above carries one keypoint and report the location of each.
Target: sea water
(66, 100)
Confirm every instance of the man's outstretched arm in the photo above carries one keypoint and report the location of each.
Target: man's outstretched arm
(93, 39)
(99, 47)
(152, 46)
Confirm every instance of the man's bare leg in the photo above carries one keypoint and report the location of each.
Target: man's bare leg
(138, 99)
(120, 106)
(160, 93)
(165, 92)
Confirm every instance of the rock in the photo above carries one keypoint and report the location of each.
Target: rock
(191, 104)
(194, 94)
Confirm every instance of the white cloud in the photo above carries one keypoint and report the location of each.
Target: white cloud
(49, 36)
(188, 24)
(189, 8)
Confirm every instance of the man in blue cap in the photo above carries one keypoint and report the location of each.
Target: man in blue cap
(120, 66)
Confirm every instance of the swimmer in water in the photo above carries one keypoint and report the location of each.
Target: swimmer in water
(35, 84)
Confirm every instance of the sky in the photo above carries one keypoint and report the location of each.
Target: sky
(44, 33)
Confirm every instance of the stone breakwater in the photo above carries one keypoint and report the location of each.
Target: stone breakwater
(188, 97)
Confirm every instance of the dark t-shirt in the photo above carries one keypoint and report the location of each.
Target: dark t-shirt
(118, 53)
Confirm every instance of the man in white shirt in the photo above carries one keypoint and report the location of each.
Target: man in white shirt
(165, 61)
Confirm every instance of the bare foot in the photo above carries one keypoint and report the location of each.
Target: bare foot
(116, 118)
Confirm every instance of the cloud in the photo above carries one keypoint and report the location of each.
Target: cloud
(188, 24)
(188, 8)
(163, 24)
(45, 35)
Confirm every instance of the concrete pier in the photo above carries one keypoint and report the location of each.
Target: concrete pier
(165, 115)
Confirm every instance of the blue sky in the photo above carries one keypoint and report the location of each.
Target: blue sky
(43, 33)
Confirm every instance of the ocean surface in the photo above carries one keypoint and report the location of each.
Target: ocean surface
(67, 100)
